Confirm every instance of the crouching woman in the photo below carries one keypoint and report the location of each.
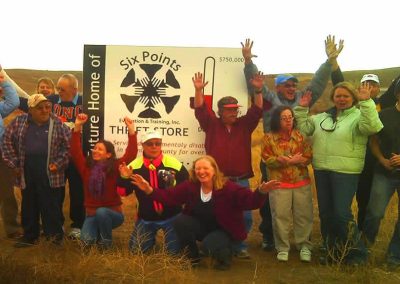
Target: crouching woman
(213, 210)
(99, 173)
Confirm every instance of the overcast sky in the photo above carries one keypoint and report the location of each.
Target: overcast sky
(288, 34)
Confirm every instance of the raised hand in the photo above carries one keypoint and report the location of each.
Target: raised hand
(364, 92)
(246, 50)
(331, 49)
(81, 119)
(198, 81)
(305, 99)
(257, 81)
(130, 124)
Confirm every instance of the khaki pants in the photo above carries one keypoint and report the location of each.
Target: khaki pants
(8, 203)
(289, 205)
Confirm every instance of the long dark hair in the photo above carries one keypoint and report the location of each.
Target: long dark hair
(276, 118)
(109, 162)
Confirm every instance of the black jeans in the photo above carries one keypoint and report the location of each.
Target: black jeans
(364, 188)
(76, 196)
(40, 200)
(265, 211)
(216, 243)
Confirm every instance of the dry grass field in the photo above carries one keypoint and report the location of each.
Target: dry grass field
(46, 263)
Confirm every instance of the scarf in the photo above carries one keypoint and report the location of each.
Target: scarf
(152, 166)
(97, 180)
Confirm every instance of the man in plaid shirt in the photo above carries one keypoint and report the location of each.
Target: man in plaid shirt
(39, 165)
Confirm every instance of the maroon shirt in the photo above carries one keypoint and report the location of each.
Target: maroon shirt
(229, 203)
(110, 198)
(231, 150)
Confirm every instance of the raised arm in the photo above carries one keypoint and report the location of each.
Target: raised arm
(369, 122)
(305, 122)
(198, 87)
(333, 51)
(321, 76)
(11, 100)
(131, 150)
(76, 144)
(21, 93)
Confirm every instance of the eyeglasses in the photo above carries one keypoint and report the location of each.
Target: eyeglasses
(287, 118)
(328, 129)
(151, 144)
(287, 85)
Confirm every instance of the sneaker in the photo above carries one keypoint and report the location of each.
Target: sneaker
(283, 256)
(75, 234)
(24, 243)
(305, 254)
(15, 236)
(243, 254)
(267, 245)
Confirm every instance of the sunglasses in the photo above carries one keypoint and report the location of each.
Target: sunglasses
(151, 144)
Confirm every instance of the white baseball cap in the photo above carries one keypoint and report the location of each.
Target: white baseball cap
(370, 77)
(150, 135)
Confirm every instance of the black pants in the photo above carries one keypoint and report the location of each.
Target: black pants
(76, 208)
(40, 200)
(216, 243)
(265, 211)
(364, 188)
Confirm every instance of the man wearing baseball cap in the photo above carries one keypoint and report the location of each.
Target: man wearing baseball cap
(161, 171)
(228, 139)
(286, 94)
(39, 166)
(365, 180)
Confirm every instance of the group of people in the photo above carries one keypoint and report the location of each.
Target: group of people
(208, 209)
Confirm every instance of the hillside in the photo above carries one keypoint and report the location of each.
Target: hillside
(27, 79)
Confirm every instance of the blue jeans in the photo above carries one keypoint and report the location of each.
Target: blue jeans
(144, 234)
(98, 228)
(335, 192)
(248, 220)
(383, 188)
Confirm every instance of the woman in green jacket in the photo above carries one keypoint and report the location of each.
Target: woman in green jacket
(340, 138)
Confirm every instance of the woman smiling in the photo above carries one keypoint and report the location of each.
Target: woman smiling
(213, 211)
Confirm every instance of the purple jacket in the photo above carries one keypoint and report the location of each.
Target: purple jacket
(229, 203)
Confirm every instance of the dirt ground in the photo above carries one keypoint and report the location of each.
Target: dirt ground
(261, 268)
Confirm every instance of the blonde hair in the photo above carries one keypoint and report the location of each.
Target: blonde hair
(347, 86)
(219, 179)
(47, 81)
